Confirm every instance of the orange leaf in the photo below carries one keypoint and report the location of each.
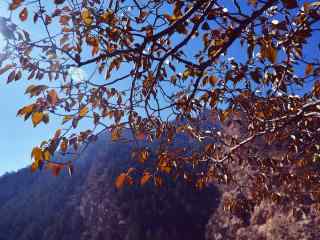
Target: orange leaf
(115, 134)
(37, 154)
(34, 167)
(86, 16)
(145, 178)
(120, 181)
(47, 155)
(83, 112)
(66, 119)
(144, 155)
(37, 118)
(25, 110)
(213, 80)
(53, 97)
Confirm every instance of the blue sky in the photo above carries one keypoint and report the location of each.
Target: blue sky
(17, 138)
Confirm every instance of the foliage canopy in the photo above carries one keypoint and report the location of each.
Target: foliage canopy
(157, 65)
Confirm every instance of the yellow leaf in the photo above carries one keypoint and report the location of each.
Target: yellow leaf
(145, 178)
(37, 118)
(66, 119)
(47, 155)
(37, 154)
(309, 69)
(115, 134)
(144, 155)
(83, 112)
(120, 181)
(86, 17)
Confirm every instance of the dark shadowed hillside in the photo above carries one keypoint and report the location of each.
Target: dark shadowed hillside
(87, 205)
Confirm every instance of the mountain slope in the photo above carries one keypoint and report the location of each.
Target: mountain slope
(87, 205)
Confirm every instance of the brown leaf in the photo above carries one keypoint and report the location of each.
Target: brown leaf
(23, 14)
(309, 69)
(53, 97)
(290, 4)
(271, 54)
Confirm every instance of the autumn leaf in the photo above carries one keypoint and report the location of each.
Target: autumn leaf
(66, 119)
(83, 112)
(120, 181)
(290, 4)
(36, 154)
(143, 156)
(25, 110)
(145, 178)
(34, 167)
(271, 54)
(309, 69)
(23, 14)
(37, 118)
(212, 80)
(86, 16)
(115, 134)
(53, 97)
(46, 155)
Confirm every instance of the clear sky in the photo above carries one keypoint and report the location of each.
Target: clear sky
(17, 138)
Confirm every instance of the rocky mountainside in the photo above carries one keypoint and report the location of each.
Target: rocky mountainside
(87, 206)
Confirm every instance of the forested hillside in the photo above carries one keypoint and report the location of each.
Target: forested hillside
(88, 206)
